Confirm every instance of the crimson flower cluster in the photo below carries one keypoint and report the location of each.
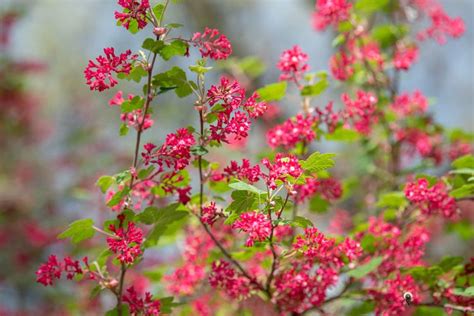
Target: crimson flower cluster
(293, 64)
(126, 242)
(212, 44)
(146, 306)
(53, 269)
(133, 10)
(431, 200)
(99, 73)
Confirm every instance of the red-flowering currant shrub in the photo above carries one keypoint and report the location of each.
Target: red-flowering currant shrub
(247, 229)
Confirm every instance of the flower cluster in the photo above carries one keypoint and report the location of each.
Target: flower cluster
(407, 105)
(390, 299)
(99, 73)
(418, 141)
(293, 131)
(361, 111)
(53, 269)
(329, 188)
(146, 306)
(134, 10)
(212, 44)
(174, 153)
(431, 200)
(341, 65)
(442, 25)
(134, 118)
(209, 213)
(284, 166)
(243, 172)
(230, 120)
(125, 243)
(224, 277)
(405, 56)
(330, 12)
(256, 224)
(293, 64)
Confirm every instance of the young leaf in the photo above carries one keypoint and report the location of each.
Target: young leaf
(175, 48)
(365, 269)
(318, 162)
(79, 230)
(302, 222)
(240, 185)
(315, 89)
(105, 182)
(272, 92)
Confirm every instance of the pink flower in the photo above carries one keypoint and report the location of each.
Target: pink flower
(209, 213)
(292, 64)
(53, 269)
(406, 105)
(362, 111)
(185, 280)
(405, 57)
(341, 66)
(243, 172)
(224, 277)
(330, 12)
(126, 242)
(211, 44)
(389, 299)
(136, 120)
(231, 94)
(134, 10)
(49, 271)
(442, 25)
(283, 167)
(431, 200)
(99, 74)
(293, 131)
(257, 225)
(255, 109)
(141, 306)
(459, 148)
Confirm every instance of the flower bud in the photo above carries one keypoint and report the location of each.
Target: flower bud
(158, 31)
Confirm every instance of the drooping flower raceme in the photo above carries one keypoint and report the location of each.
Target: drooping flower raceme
(99, 73)
(212, 44)
(293, 64)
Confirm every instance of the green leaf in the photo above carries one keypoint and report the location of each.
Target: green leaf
(368, 243)
(114, 312)
(370, 6)
(464, 191)
(118, 196)
(161, 218)
(428, 311)
(199, 150)
(468, 292)
(105, 182)
(365, 269)
(200, 67)
(466, 161)
(79, 230)
(123, 129)
(318, 162)
(175, 78)
(341, 134)
(315, 89)
(158, 11)
(392, 200)
(175, 48)
(153, 45)
(318, 204)
(389, 34)
(464, 229)
(301, 221)
(273, 92)
(242, 186)
(365, 308)
(243, 201)
(252, 66)
(447, 263)
(132, 105)
(166, 305)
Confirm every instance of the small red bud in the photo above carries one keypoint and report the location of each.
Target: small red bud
(158, 31)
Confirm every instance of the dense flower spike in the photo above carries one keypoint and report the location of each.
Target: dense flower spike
(53, 269)
(212, 44)
(283, 167)
(125, 243)
(141, 306)
(442, 25)
(223, 276)
(99, 73)
(330, 12)
(134, 10)
(293, 64)
(431, 200)
(405, 56)
(243, 172)
(407, 105)
(341, 66)
(257, 225)
(293, 131)
(209, 214)
(330, 189)
(361, 111)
